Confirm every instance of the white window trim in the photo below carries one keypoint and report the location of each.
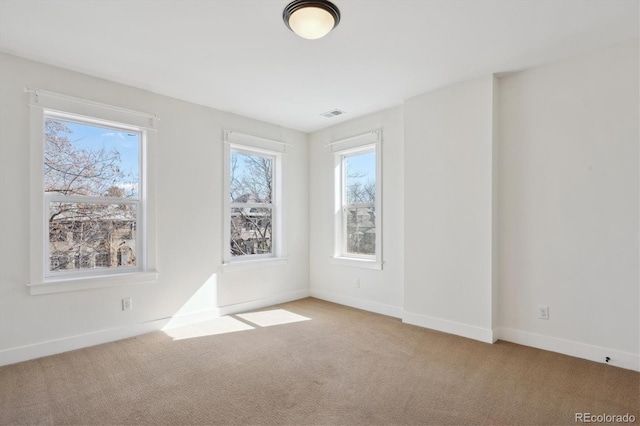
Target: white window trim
(361, 143)
(277, 150)
(44, 103)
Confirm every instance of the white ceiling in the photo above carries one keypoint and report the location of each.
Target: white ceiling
(238, 56)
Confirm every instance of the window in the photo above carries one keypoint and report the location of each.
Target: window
(92, 194)
(359, 203)
(357, 187)
(251, 198)
(102, 260)
(89, 169)
(253, 223)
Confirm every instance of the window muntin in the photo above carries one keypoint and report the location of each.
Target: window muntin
(92, 196)
(358, 188)
(251, 203)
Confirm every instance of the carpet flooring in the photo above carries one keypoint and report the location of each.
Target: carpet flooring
(311, 362)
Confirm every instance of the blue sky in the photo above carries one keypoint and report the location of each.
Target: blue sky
(90, 137)
(364, 165)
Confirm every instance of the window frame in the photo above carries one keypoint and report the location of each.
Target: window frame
(42, 280)
(271, 205)
(252, 145)
(52, 197)
(343, 149)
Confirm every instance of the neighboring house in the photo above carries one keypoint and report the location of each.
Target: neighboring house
(250, 231)
(81, 242)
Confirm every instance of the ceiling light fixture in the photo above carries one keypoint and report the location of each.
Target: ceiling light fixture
(311, 19)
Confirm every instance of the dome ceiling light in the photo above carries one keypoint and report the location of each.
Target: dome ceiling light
(311, 19)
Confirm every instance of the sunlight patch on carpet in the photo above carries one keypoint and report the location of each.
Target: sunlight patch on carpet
(273, 317)
(212, 327)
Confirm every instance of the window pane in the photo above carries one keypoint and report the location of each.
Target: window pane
(360, 178)
(361, 230)
(251, 179)
(251, 231)
(83, 159)
(91, 235)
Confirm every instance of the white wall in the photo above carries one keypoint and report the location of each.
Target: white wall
(568, 205)
(189, 222)
(448, 209)
(498, 196)
(379, 291)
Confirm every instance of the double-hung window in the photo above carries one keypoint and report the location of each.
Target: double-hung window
(92, 196)
(253, 195)
(252, 208)
(89, 163)
(358, 186)
(358, 236)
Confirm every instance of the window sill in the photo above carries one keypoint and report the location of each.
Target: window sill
(90, 283)
(242, 265)
(357, 263)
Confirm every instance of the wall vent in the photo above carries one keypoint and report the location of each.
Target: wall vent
(332, 113)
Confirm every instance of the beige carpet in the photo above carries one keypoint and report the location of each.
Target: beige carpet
(341, 366)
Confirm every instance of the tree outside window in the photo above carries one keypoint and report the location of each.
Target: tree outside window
(91, 188)
(359, 208)
(251, 192)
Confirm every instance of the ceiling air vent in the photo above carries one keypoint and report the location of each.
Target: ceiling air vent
(332, 113)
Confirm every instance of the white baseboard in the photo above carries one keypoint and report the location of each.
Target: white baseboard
(52, 347)
(451, 327)
(263, 303)
(366, 305)
(620, 359)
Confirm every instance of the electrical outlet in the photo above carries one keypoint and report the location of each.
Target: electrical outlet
(543, 312)
(357, 283)
(126, 304)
